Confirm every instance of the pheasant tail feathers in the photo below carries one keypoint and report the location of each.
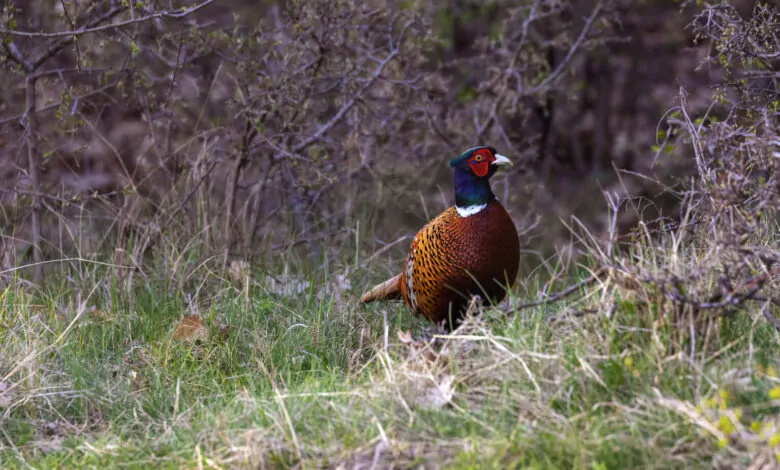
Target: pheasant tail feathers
(388, 290)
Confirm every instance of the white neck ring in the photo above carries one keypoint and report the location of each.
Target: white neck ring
(470, 210)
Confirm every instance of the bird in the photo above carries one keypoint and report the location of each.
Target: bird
(470, 249)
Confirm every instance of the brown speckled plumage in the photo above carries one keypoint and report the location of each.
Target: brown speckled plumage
(454, 257)
(470, 249)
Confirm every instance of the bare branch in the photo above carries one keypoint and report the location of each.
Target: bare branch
(92, 28)
(351, 102)
(16, 55)
(58, 45)
(569, 55)
(34, 171)
(572, 289)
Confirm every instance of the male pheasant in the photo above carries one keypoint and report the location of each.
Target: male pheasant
(470, 249)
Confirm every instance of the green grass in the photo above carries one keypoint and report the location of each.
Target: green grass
(303, 379)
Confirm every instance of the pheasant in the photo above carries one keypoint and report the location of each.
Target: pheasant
(469, 249)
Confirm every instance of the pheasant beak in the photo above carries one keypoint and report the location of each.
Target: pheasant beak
(501, 160)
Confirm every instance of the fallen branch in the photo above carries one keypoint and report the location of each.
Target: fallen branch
(746, 292)
(562, 294)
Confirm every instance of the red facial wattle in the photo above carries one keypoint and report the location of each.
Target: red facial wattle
(480, 168)
(480, 162)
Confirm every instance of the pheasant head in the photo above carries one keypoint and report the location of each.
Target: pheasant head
(473, 170)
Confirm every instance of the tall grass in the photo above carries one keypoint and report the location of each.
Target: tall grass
(290, 371)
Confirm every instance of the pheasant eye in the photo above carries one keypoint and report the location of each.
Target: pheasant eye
(478, 158)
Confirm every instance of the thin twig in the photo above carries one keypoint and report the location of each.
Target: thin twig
(63, 42)
(16, 55)
(349, 104)
(34, 173)
(562, 294)
(569, 55)
(95, 29)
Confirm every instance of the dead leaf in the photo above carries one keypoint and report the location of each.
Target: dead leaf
(405, 336)
(190, 328)
(421, 349)
(98, 315)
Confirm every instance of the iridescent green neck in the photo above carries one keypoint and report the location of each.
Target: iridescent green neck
(471, 191)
